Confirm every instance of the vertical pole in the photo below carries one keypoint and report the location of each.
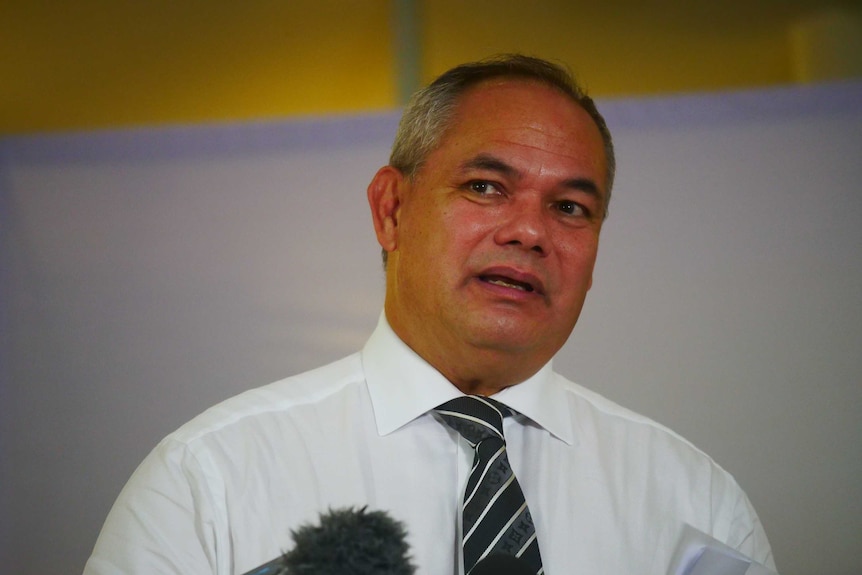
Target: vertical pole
(408, 48)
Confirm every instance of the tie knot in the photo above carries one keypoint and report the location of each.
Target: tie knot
(474, 417)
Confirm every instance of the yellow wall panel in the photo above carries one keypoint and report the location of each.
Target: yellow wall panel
(99, 63)
(618, 48)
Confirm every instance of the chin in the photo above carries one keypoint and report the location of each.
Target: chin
(511, 332)
(506, 338)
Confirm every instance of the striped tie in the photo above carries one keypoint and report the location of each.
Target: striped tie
(496, 517)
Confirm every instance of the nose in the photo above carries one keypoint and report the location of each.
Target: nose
(524, 226)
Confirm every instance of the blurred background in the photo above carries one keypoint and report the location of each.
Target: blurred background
(160, 250)
(99, 63)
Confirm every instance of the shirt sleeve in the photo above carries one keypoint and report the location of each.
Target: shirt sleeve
(163, 521)
(748, 535)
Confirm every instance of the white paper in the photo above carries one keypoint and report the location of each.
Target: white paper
(699, 554)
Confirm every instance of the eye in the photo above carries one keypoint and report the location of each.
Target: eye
(482, 187)
(571, 208)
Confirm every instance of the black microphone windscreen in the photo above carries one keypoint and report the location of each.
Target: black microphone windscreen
(501, 564)
(350, 542)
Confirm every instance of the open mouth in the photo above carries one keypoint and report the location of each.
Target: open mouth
(507, 282)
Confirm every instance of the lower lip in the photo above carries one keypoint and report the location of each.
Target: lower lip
(507, 292)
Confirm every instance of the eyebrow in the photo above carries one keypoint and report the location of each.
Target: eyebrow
(491, 164)
(494, 164)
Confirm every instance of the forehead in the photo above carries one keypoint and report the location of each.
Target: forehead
(525, 115)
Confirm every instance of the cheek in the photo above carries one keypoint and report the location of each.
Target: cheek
(417, 230)
(428, 245)
(468, 224)
(578, 260)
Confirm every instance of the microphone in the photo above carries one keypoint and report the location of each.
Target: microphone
(501, 564)
(346, 542)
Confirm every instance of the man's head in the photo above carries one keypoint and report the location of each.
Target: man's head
(430, 110)
(492, 226)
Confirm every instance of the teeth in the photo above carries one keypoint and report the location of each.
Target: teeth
(509, 285)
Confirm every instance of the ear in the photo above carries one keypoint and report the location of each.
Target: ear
(384, 198)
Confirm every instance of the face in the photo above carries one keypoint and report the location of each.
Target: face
(491, 247)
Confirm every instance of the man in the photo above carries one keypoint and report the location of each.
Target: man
(489, 216)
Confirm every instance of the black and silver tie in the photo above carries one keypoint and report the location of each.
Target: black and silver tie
(495, 514)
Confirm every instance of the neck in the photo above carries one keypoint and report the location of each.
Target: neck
(474, 371)
(484, 376)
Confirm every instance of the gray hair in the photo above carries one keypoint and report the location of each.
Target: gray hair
(429, 112)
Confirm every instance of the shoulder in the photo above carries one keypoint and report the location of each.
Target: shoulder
(637, 440)
(668, 466)
(594, 409)
(275, 400)
(209, 476)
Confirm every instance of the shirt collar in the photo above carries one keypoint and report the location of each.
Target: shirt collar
(404, 386)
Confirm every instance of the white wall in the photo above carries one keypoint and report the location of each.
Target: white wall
(148, 274)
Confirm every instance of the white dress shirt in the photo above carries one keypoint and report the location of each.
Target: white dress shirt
(609, 490)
